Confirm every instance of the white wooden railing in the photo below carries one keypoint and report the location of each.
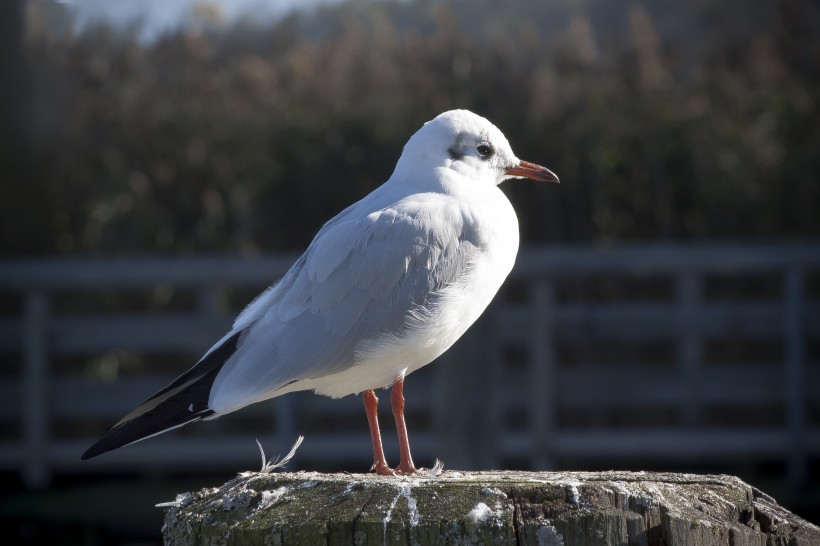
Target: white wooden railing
(532, 384)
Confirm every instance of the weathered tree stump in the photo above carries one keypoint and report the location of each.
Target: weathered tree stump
(533, 508)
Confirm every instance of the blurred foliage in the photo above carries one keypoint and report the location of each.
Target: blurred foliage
(664, 120)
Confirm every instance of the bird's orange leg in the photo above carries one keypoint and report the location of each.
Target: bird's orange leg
(397, 400)
(371, 406)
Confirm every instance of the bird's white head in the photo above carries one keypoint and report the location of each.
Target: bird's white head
(469, 145)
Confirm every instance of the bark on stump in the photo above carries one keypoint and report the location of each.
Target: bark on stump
(532, 508)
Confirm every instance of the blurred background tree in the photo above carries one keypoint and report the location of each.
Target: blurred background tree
(681, 120)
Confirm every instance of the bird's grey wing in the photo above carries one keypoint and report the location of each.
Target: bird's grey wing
(359, 279)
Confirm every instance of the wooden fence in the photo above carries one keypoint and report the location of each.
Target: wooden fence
(588, 357)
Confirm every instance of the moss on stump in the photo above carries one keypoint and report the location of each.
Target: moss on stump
(528, 508)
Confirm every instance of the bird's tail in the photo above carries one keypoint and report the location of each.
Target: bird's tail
(182, 402)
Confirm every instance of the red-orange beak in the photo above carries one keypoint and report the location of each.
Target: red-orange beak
(525, 169)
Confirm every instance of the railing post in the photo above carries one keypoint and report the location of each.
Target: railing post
(35, 387)
(794, 394)
(689, 347)
(285, 419)
(543, 387)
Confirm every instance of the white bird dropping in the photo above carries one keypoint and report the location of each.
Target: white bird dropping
(384, 288)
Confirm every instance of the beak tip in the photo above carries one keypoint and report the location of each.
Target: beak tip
(525, 169)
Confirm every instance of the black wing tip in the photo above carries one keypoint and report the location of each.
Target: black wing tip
(118, 437)
(109, 441)
(105, 443)
(92, 452)
(174, 410)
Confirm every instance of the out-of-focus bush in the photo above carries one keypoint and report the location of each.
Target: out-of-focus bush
(664, 120)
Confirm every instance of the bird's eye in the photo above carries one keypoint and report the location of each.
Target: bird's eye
(484, 150)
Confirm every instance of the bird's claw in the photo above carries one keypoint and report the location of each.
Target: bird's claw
(406, 470)
(382, 470)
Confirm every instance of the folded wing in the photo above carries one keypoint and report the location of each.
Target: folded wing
(361, 278)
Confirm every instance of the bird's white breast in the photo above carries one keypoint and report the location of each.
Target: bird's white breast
(431, 331)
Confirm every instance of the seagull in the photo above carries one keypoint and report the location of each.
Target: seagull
(385, 287)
